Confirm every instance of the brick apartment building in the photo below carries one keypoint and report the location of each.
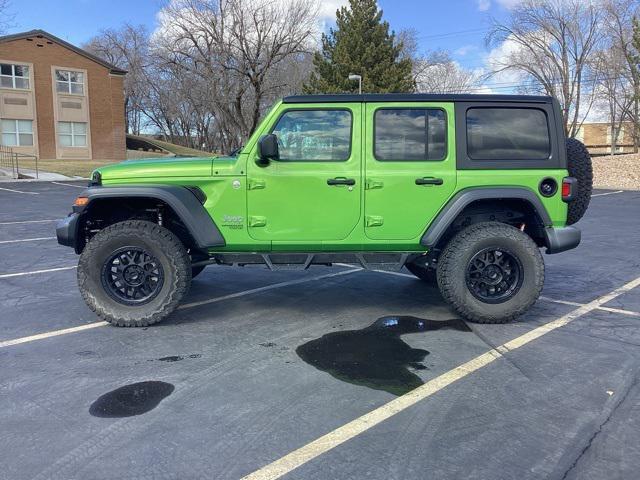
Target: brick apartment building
(59, 101)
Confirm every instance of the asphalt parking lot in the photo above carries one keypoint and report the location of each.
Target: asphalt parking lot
(242, 382)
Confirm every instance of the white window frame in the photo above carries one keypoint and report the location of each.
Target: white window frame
(13, 76)
(73, 135)
(69, 83)
(16, 131)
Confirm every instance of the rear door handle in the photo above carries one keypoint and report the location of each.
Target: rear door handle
(341, 181)
(429, 181)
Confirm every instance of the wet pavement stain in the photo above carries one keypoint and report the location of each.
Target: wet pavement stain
(177, 358)
(375, 356)
(171, 358)
(131, 400)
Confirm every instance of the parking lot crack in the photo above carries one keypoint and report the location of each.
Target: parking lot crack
(599, 429)
(498, 348)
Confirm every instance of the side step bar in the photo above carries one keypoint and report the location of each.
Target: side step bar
(392, 261)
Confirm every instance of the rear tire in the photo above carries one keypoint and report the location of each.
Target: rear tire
(134, 273)
(491, 273)
(579, 166)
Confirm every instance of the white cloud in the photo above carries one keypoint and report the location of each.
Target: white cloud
(327, 8)
(465, 50)
(484, 5)
(509, 3)
(498, 58)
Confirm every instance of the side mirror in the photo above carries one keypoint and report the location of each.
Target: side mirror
(267, 149)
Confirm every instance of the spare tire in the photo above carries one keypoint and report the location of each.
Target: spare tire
(579, 166)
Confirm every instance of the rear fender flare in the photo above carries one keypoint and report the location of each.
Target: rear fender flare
(465, 197)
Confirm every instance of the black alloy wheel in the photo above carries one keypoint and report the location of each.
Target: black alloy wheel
(494, 275)
(132, 276)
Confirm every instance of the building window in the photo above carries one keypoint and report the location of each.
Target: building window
(410, 134)
(70, 82)
(14, 76)
(72, 134)
(17, 133)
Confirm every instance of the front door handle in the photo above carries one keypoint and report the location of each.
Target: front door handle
(429, 181)
(341, 181)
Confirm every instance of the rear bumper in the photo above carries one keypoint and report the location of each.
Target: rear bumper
(67, 231)
(561, 239)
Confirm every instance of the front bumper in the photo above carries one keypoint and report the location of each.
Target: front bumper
(67, 231)
(561, 239)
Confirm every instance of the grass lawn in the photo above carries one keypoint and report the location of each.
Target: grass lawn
(71, 168)
(172, 148)
(83, 168)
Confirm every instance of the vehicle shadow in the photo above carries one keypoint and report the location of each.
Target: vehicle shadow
(329, 296)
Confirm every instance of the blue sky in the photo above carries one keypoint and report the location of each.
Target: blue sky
(455, 25)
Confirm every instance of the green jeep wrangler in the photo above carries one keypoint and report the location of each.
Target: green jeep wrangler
(462, 190)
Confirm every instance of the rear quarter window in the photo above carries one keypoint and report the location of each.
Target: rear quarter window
(502, 133)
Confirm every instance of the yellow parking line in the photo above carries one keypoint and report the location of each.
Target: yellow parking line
(70, 185)
(606, 309)
(19, 191)
(29, 221)
(27, 240)
(331, 440)
(266, 288)
(55, 333)
(543, 298)
(35, 272)
(607, 193)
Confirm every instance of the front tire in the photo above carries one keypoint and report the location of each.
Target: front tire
(134, 273)
(491, 273)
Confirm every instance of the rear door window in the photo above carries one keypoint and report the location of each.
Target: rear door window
(410, 134)
(495, 133)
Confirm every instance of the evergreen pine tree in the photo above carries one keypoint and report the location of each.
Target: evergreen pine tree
(361, 44)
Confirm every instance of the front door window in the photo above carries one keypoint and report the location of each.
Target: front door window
(314, 135)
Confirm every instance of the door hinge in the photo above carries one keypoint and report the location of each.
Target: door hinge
(371, 184)
(257, 221)
(256, 184)
(373, 221)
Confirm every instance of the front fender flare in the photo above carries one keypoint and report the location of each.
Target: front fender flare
(182, 201)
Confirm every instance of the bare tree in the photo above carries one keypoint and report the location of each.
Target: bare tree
(553, 42)
(620, 74)
(613, 90)
(438, 73)
(127, 48)
(239, 47)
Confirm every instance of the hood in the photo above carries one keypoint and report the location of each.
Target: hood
(163, 167)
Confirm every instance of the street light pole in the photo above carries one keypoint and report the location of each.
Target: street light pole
(352, 77)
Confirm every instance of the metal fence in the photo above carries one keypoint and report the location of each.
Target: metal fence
(11, 161)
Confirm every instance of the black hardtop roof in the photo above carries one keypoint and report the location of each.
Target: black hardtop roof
(414, 97)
